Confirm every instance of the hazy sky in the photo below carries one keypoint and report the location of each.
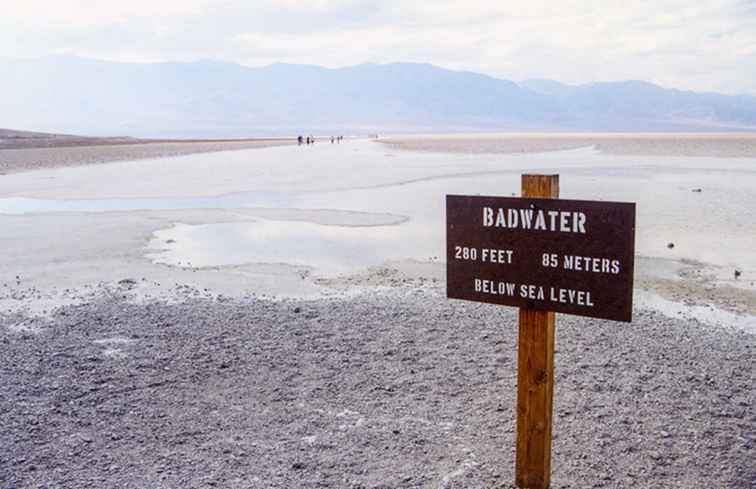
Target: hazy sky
(693, 44)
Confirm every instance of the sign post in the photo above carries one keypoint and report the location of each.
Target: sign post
(535, 373)
(543, 255)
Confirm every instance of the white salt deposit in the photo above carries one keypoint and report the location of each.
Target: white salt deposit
(338, 209)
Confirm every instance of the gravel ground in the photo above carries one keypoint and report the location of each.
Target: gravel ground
(35, 158)
(390, 389)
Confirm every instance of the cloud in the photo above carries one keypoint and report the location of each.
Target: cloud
(701, 45)
(82, 13)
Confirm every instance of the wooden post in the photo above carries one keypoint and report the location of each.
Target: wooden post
(535, 373)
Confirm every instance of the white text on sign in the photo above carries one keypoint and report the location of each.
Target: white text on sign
(486, 255)
(581, 263)
(534, 292)
(536, 219)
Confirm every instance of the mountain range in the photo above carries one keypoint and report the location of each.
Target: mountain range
(218, 99)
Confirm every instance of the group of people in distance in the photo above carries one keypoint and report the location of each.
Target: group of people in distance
(311, 140)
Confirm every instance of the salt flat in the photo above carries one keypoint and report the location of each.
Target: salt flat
(258, 221)
(718, 145)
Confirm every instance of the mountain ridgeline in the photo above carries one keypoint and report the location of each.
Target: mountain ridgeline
(218, 99)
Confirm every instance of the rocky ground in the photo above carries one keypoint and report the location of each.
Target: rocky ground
(393, 388)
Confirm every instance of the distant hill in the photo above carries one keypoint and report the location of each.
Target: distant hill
(215, 99)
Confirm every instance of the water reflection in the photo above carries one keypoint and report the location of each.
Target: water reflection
(329, 250)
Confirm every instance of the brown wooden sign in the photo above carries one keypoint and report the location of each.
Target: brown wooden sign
(567, 256)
